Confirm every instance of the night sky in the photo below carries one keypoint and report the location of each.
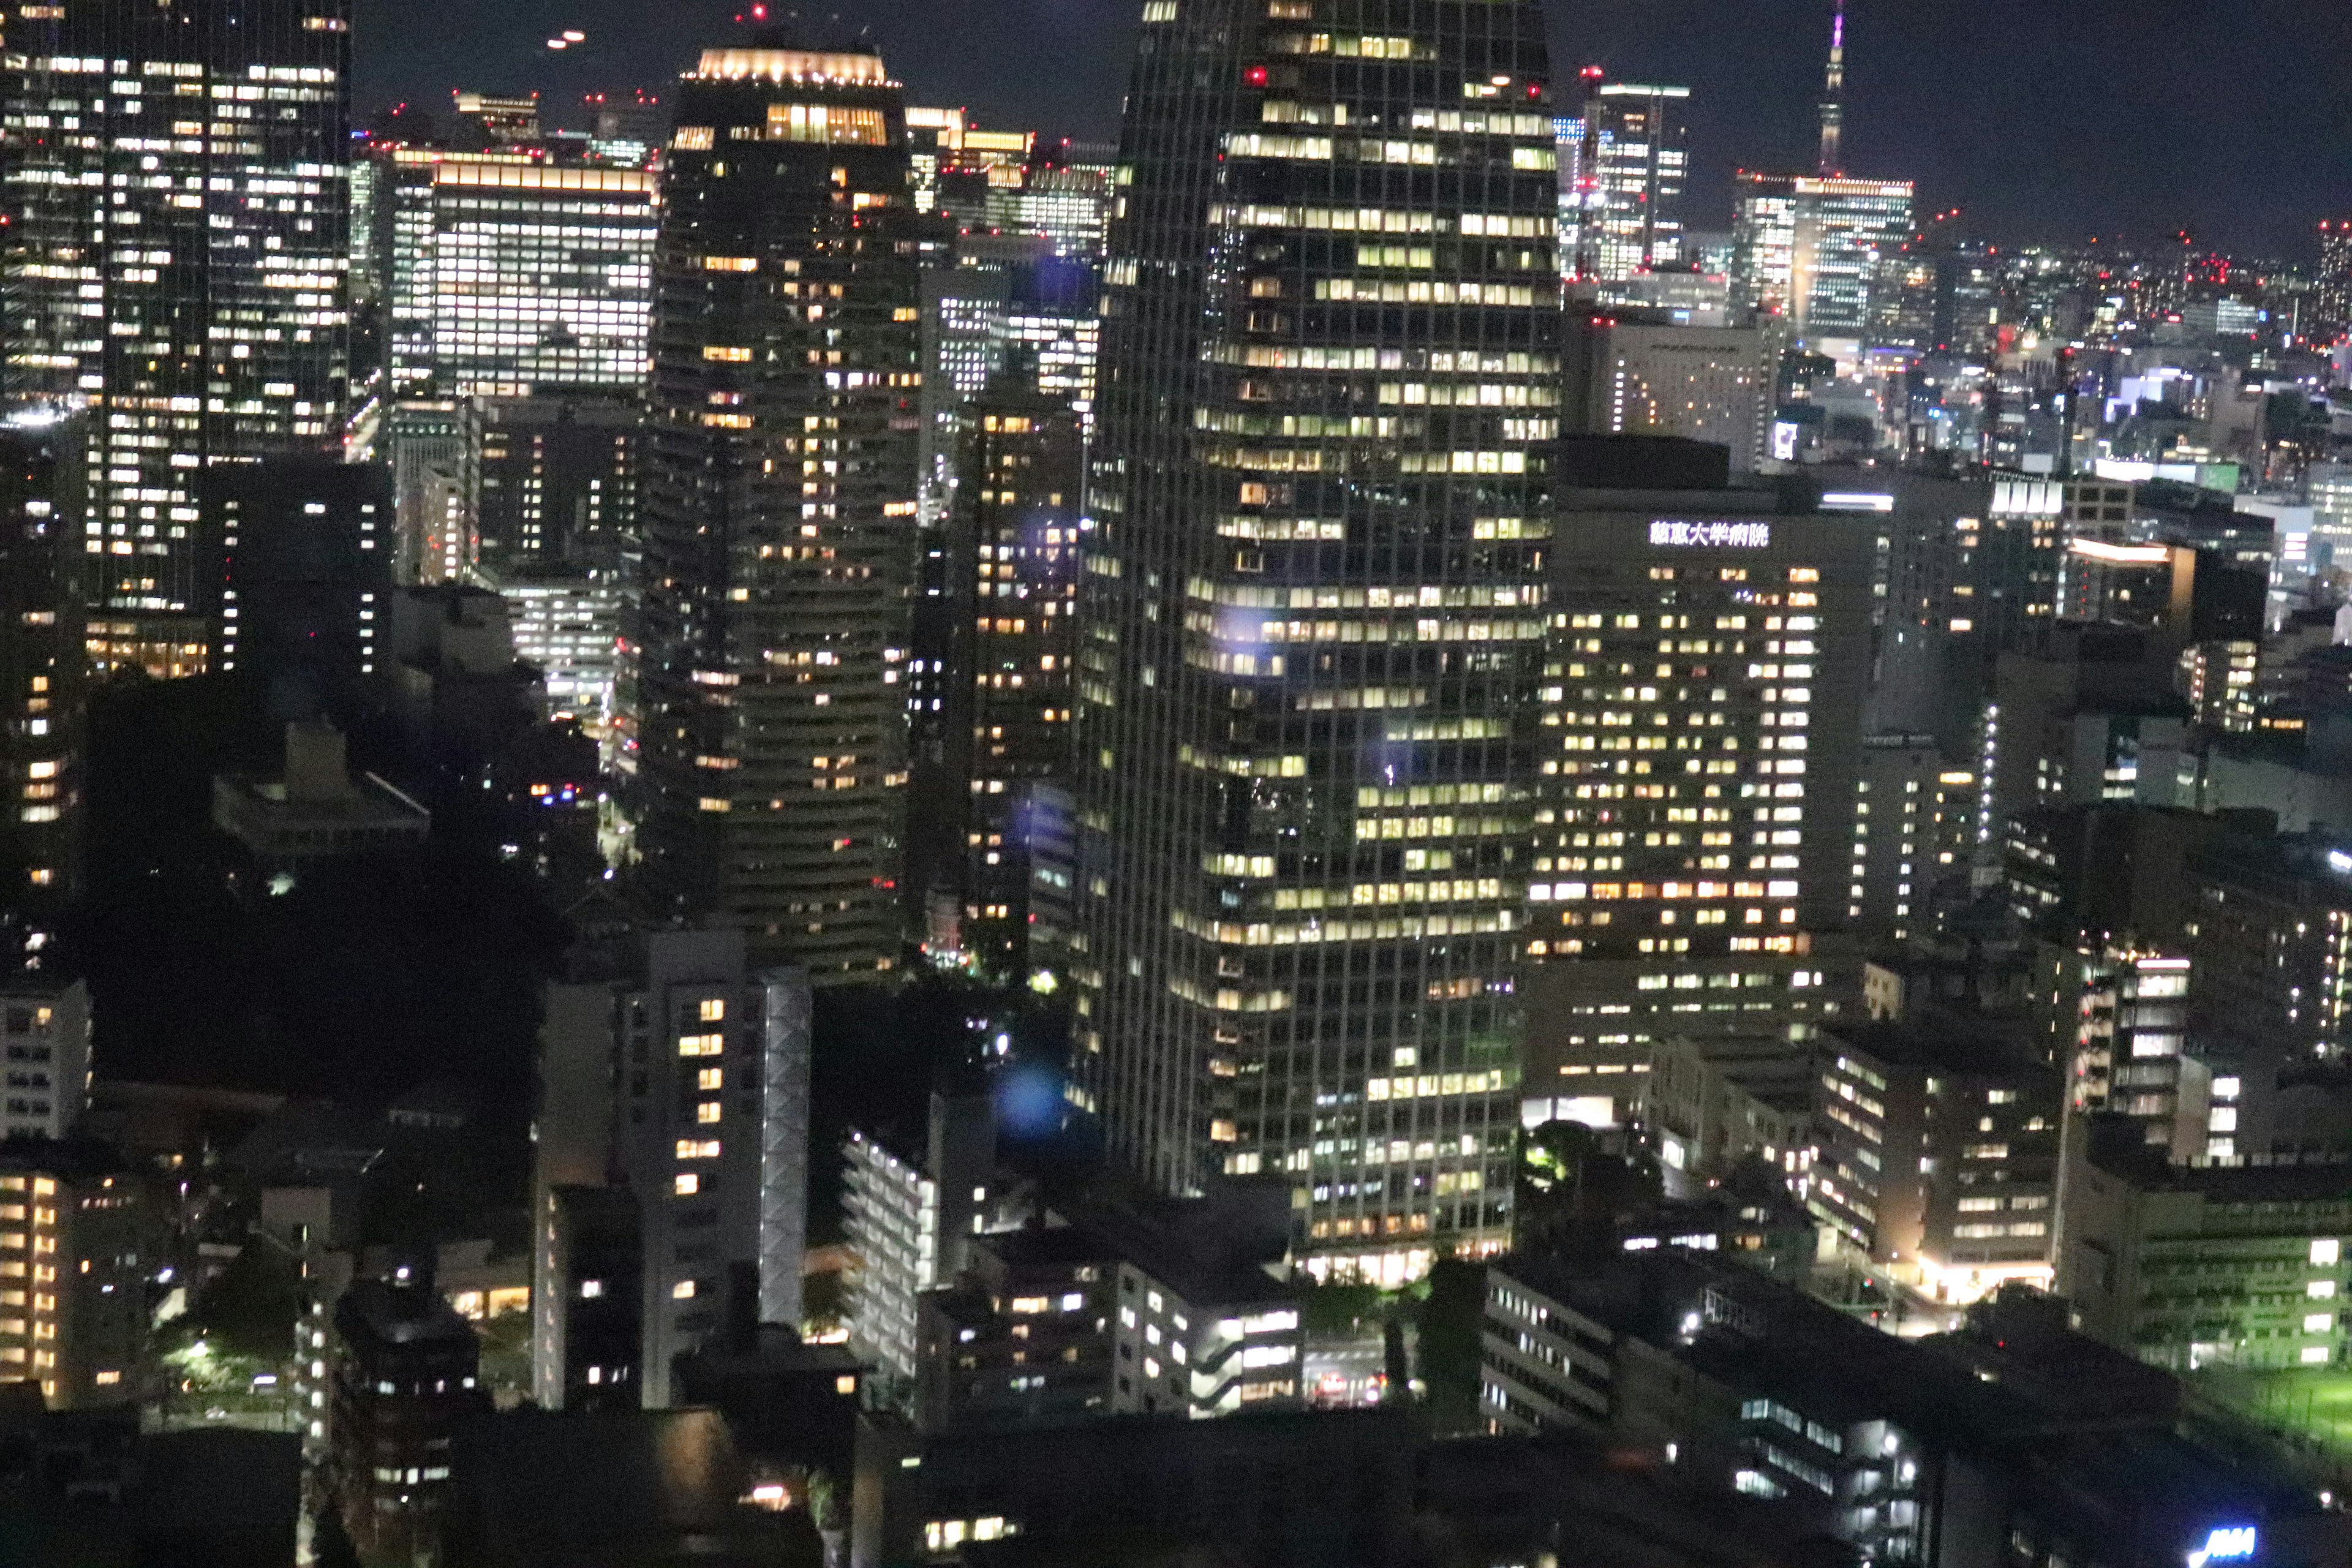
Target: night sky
(2042, 119)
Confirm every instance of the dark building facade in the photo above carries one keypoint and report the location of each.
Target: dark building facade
(303, 592)
(405, 1379)
(41, 683)
(1004, 640)
(1313, 623)
(558, 479)
(770, 623)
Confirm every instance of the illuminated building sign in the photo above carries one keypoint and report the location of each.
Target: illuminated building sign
(2339, 862)
(2226, 1544)
(1714, 535)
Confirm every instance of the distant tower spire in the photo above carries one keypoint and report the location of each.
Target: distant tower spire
(1833, 100)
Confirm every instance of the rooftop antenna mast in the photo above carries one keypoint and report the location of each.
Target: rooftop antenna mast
(1833, 100)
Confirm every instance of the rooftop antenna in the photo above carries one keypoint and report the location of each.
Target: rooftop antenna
(1833, 100)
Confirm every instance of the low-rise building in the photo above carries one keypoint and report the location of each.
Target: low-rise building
(2012, 1439)
(1053, 1323)
(2206, 1263)
(1939, 1148)
(316, 811)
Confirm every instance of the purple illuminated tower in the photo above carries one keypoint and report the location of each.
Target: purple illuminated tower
(1833, 100)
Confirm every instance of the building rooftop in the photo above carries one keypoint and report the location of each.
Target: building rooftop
(2116, 1147)
(1957, 1043)
(538, 1489)
(408, 1313)
(72, 1159)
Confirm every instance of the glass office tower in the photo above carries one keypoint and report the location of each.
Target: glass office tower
(1809, 249)
(512, 275)
(175, 261)
(1311, 624)
(769, 633)
(1633, 162)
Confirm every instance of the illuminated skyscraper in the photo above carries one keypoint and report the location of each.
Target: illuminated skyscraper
(1312, 624)
(1632, 164)
(996, 752)
(1808, 248)
(770, 628)
(1703, 718)
(510, 274)
(176, 194)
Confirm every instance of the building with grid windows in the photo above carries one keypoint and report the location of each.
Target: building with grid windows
(512, 273)
(1007, 305)
(1632, 164)
(176, 262)
(74, 1266)
(1312, 626)
(1915, 834)
(1702, 711)
(1808, 248)
(2190, 1265)
(675, 1072)
(45, 1033)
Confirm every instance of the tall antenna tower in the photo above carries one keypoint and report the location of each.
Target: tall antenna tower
(1833, 100)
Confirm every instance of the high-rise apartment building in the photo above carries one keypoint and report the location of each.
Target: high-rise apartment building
(2115, 1019)
(770, 625)
(44, 1035)
(670, 1070)
(1915, 834)
(1632, 165)
(1808, 248)
(176, 262)
(1313, 624)
(911, 1225)
(511, 274)
(996, 755)
(41, 683)
(1702, 709)
(76, 1254)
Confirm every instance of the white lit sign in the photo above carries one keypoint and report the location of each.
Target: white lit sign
(2227, 1543)
(2339, 861)
(1714, 535)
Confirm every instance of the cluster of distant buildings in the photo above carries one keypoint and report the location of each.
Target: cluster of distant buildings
(1458, 688)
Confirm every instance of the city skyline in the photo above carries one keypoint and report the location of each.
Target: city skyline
(2105, 125)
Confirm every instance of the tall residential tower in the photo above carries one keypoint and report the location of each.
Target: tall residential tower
(1312, 624)
(771, 622)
